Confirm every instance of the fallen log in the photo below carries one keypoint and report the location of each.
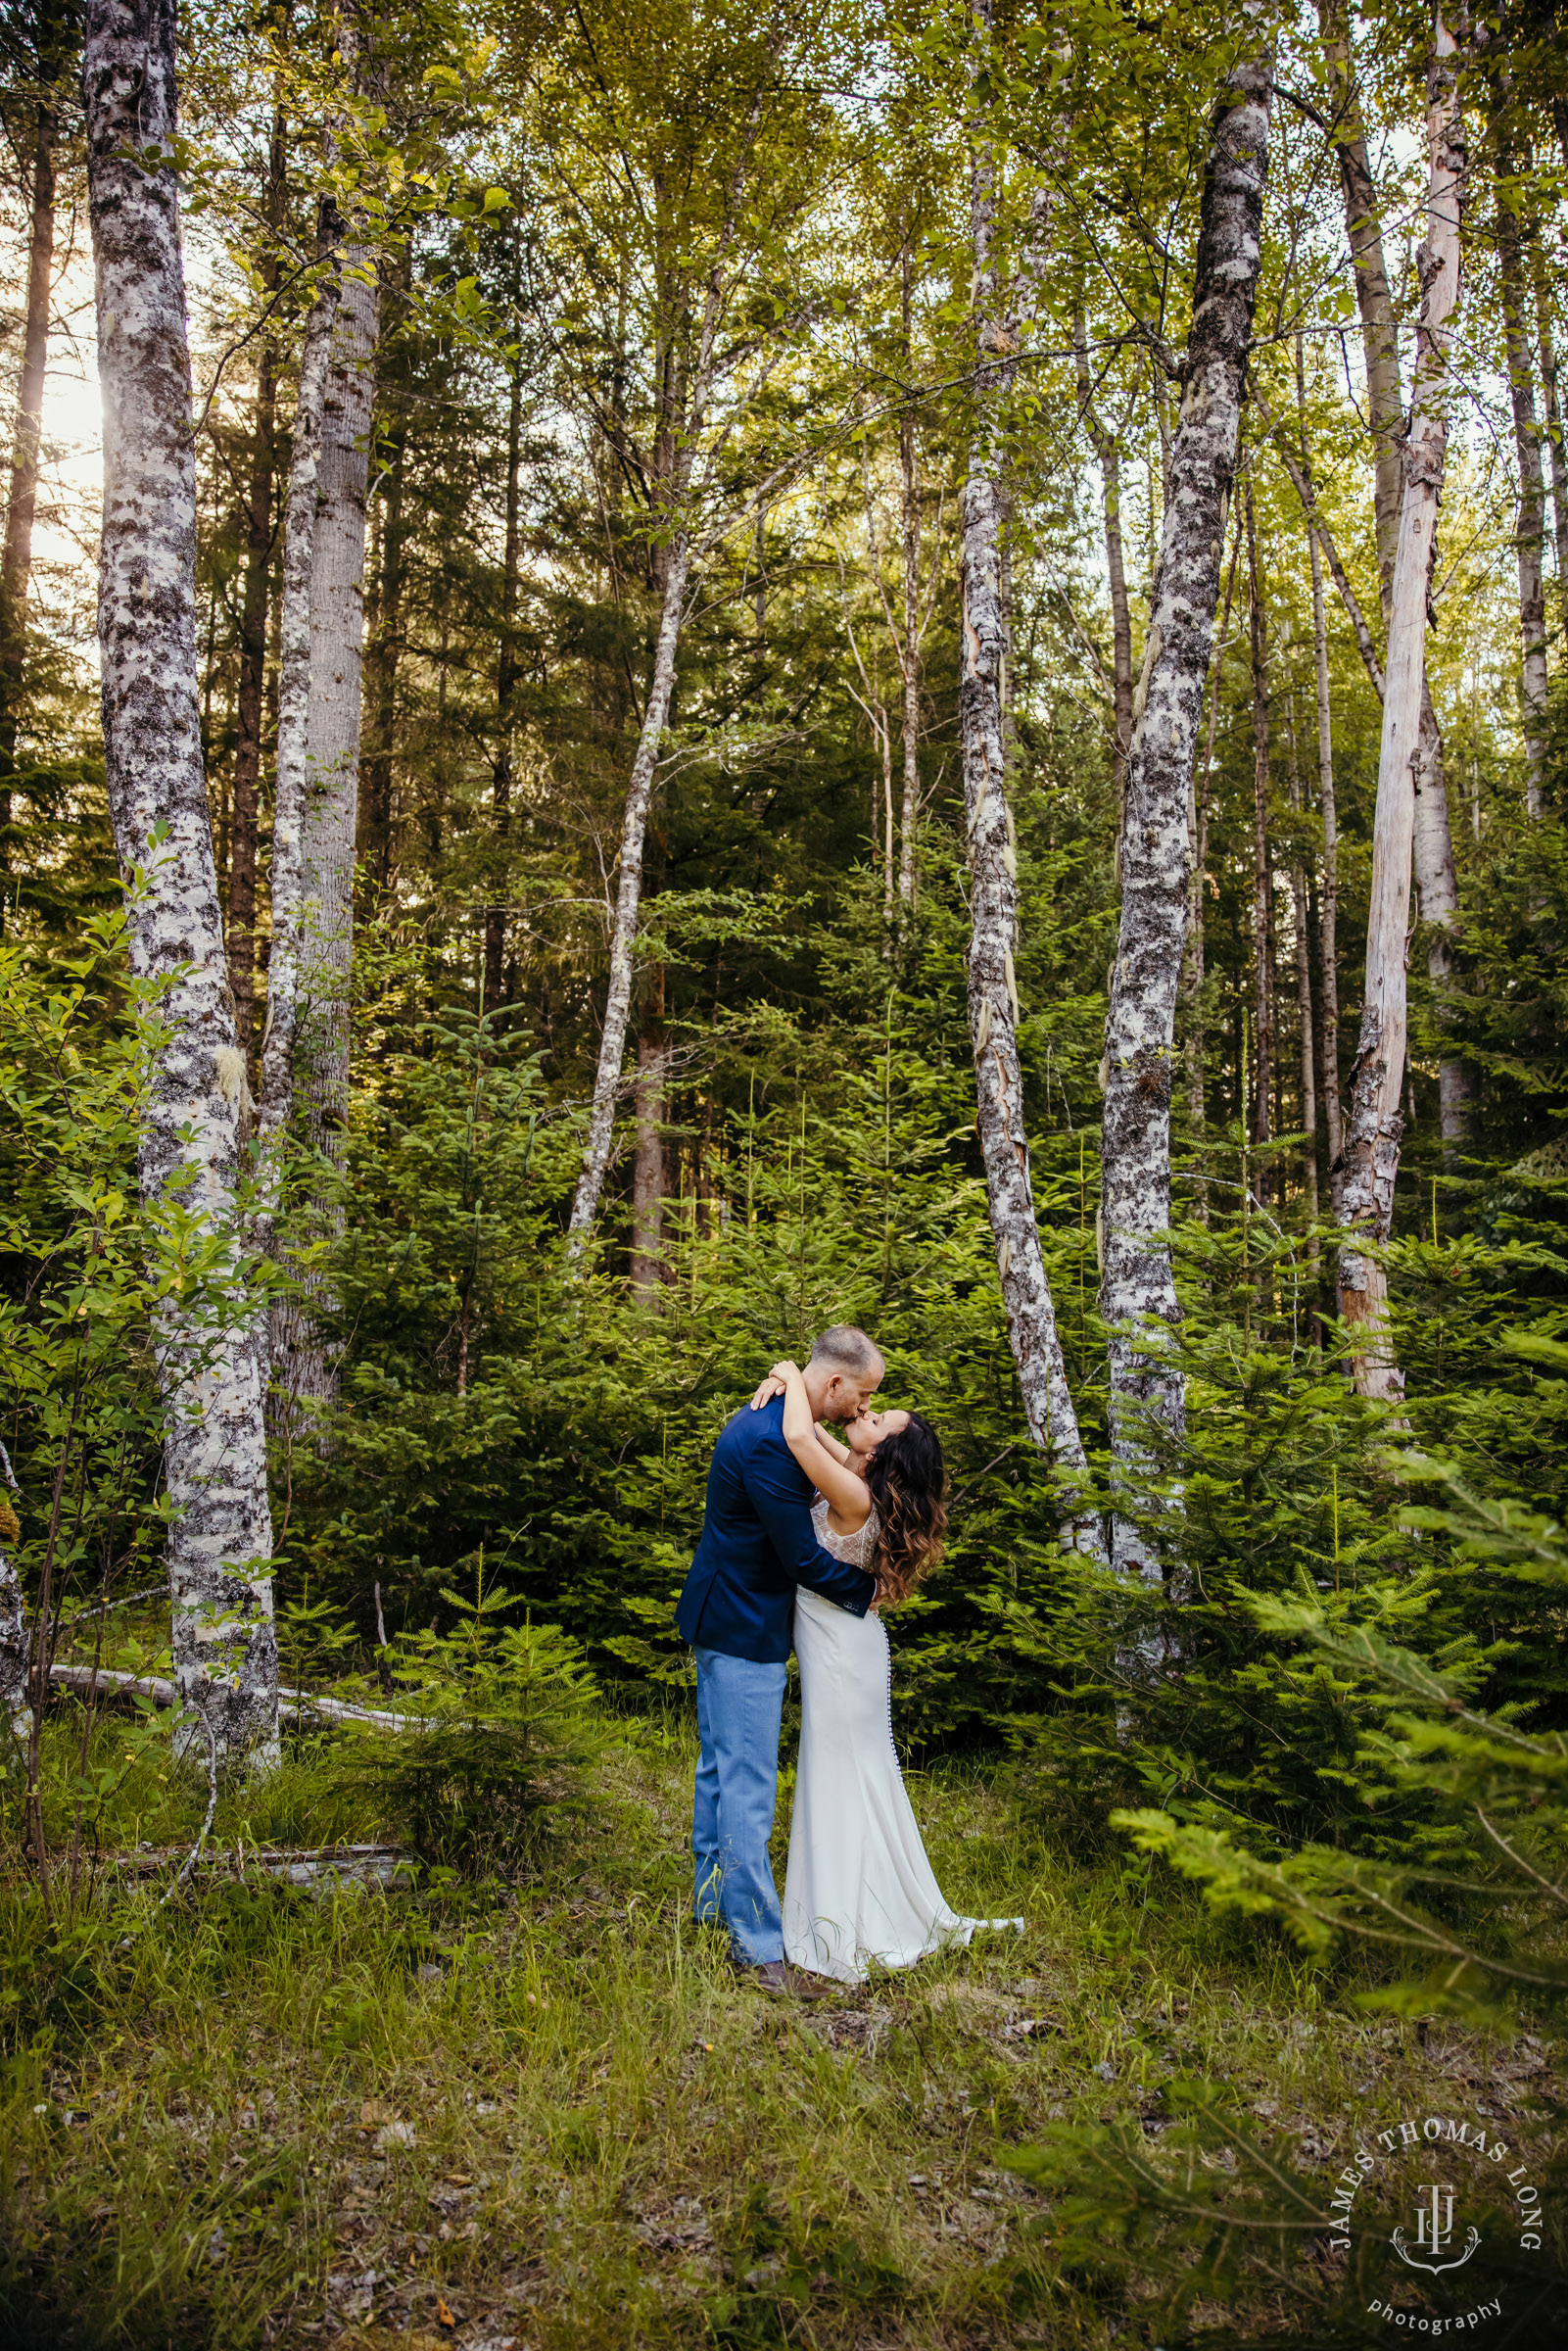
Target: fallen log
(123, 1688)
(308, 1865)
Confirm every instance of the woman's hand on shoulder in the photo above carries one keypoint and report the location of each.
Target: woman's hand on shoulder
(776, 1383)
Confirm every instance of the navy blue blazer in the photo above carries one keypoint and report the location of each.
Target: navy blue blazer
(757, 1544)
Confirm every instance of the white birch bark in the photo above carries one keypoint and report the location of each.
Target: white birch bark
(1194, 949)
(1262, 927)
(1303, 1001)
(1108, 453)
(909, 813)
(1374, 1126)
(16, 1655)
(628, 900)
(677, 481)
(1138, 1291)
(1432, 847)
(304, 1364)
(1555, 430)
(293, 731)
(219, 1546)
(993, 1001)
(1530, 534)
(1328, 904)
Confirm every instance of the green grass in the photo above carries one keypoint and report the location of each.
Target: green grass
(547, 2110)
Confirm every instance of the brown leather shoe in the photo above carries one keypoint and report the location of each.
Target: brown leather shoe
(783, 1982)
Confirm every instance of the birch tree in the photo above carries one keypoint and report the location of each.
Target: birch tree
(257, 579)
(680, 490)
(909, 482)
(1373, 1123)
(1432, 847)
(1137, 1293)
(1263, 1025)
(993, 996)
(1108, 453)
(293, 734)
(215, 1457)
(307, 1367)
(1328, 810)
(1531, 531)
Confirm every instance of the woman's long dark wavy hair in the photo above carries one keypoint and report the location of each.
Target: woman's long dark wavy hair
(906, 1479)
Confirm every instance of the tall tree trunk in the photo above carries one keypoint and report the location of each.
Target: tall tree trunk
(252, 634)
(1108, 457)
(993, 1001)
(505, 685)
(16, 1644)
(1304, 999)
(1193, 950)
(1328, 913)
(1262, 993)
(629, 899)
(671, 563)
(1554, 427)
(383, 653)
(909, 814)
(15, 560)
(215, 1455)
(1435, 884)
(308, 1369)
(1138, 1291)
(648, 1180)
(1531, 526)
(293, 731)
(1374, 1125)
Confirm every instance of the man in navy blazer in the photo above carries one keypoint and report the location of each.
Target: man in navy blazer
(737, 1611)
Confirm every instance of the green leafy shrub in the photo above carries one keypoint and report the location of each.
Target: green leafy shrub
(498, 1729)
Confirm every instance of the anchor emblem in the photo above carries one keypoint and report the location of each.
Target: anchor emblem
(1434, 2233)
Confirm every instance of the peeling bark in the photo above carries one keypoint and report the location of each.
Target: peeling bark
(1138, 1291)
(1374, 1125)
(1432, 847)
(993, 1001)
(219, 1544)
(1532, 524)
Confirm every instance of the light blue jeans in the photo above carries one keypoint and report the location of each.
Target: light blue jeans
(738, 1708)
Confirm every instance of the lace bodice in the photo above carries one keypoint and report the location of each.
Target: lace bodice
(854, 1549)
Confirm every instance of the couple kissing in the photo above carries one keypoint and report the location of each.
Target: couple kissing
(807, 1538)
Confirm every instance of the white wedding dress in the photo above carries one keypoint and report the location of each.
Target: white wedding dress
(859, 1886)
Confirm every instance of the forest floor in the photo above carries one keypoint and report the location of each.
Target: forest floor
(545, 2115)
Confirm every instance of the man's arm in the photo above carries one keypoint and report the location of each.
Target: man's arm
(773, 1482)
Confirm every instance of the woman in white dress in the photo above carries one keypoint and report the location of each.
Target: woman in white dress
(858, 1888)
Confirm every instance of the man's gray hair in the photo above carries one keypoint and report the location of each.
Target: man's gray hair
(849, 1350)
